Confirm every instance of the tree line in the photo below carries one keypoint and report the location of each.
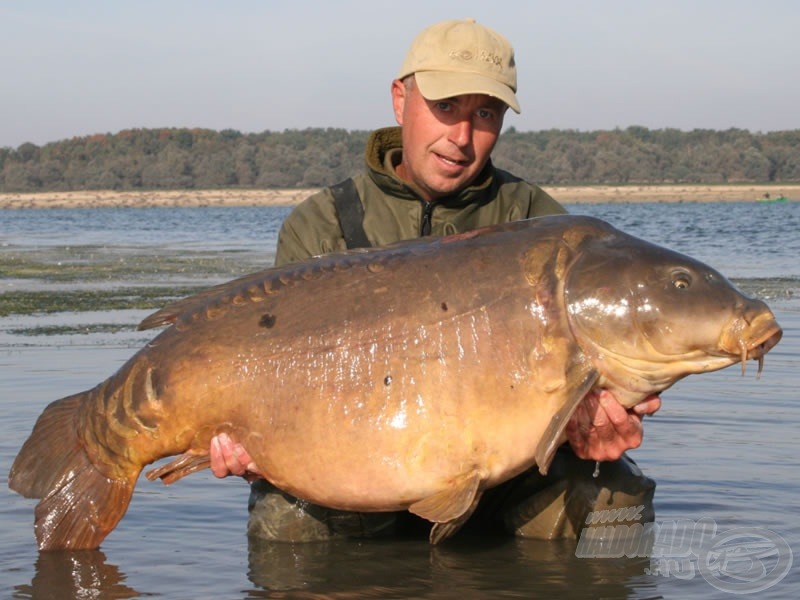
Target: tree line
(179, 158)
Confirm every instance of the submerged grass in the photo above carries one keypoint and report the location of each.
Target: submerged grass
(82, 264)
(90, 329)
(146, 297)
(109, 278)
(776, 288)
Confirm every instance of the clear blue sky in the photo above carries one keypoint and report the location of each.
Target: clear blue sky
(81, 67)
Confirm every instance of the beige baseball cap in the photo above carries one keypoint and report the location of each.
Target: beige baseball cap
(462, 57)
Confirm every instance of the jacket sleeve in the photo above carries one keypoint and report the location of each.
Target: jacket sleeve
(311, 229)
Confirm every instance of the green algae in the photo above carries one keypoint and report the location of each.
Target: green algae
(96, 278)
(29, 302)
(90, 264)
(90, 329)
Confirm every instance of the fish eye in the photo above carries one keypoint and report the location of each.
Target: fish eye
(681, 280)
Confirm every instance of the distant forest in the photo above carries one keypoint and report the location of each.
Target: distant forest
(205, 159)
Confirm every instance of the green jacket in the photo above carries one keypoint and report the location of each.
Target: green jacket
(394, 212)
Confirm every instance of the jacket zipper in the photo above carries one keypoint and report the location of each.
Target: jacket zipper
(425, 223)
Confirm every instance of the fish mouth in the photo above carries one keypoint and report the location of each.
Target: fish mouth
(752, 341)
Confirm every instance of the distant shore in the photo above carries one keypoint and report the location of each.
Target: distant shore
(231, 197)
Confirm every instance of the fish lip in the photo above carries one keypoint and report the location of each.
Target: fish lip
(760, 341)
(763, 337)
(765, 342)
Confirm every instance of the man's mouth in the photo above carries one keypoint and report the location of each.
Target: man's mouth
(452, 161)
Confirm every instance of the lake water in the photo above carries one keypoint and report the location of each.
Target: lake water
(723, 449)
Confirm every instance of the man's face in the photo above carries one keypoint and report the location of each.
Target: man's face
(446, 142)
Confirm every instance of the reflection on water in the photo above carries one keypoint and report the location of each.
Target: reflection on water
(412, 568)
(404, 568)
(722, 447)
(81, 574)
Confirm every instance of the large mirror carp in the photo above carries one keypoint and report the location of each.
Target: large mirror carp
(413, 377)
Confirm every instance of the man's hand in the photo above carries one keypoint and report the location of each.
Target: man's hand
(230, 458)
(602, 429)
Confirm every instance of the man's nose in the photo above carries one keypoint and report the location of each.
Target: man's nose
(461, 132)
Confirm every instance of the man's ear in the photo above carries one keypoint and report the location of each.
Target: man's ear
(398, 100)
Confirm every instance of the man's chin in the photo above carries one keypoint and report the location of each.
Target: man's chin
(449, 186)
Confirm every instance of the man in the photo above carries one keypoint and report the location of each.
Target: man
(433, 175)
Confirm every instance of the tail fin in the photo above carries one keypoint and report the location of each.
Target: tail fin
(79, 504)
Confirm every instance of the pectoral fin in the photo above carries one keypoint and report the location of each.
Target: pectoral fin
(553, 435)
(450, 508)
(183, 465)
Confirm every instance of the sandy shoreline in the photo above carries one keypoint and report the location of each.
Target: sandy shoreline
(564, 194)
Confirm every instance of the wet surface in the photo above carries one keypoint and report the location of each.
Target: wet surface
(723, 447)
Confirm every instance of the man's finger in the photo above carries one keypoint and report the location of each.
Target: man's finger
(219, 466)
(648, 406)
(610, 411)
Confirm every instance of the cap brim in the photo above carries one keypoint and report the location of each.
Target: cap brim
(436, 85)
